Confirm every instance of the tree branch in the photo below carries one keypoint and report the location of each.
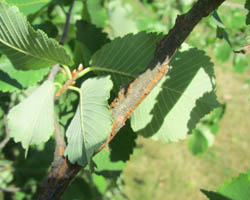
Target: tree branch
(66, 27)
(10, 190)
(54, 177)
(141, 87)
(55, 69)
(7, 137)
(61, 175)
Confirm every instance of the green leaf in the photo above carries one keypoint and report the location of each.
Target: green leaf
(237, 189)
(25, 47)
(180, 100)
(223, 52)
(120, 19)
(82, 54)
(28, 6)
(32, 120)
(91, 122)
(29, 169)
(203, 135)
(12, 80)
(48, 27)
(100, 183)
(197, 143)
(78, 188)
(124, 58)
(214, 195)
(91, 37)
(104, 162)
(221, 31)
(247, 6)
(123, 144)
(6, 173)
(97, 12)
(240, 63)
(238, 21)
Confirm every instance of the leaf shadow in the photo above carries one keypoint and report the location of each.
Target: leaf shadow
(206, 108)
(214, 195)
(109, 173)
(31, 172)
(175, 85)
(6, 78)
(123, 144)
(81, 189)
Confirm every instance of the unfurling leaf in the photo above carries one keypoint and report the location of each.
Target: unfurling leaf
(25, 47)
(32, 120)
(91, 122)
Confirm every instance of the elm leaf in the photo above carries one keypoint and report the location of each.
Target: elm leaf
(32, 120)
(125, 58)
(91, 122)
(25, 47)
(12, 80)
(180, 100)
(28, 6)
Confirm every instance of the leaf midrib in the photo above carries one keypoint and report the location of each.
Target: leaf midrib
(98, 68)
(25, 52)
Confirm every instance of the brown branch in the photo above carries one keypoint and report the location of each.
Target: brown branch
(10, 190)
(61, 174)
(244, 50)
(66, 27)
(141, 87)
(60, 165)
(53, 72)
(60, 143)
(55, 69)
(7, 137)
(70, 82)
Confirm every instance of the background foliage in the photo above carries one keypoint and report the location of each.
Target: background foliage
(102, 21)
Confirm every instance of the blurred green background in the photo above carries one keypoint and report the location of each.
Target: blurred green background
(155, 170)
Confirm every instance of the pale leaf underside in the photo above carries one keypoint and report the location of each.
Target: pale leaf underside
(91, 122)
(32, 120)
(180, 100)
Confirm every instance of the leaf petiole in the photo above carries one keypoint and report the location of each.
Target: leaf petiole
(75, 89)
(58, 84)
(68, 72)
(78, 90)
(85, 71)
(89, 69)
